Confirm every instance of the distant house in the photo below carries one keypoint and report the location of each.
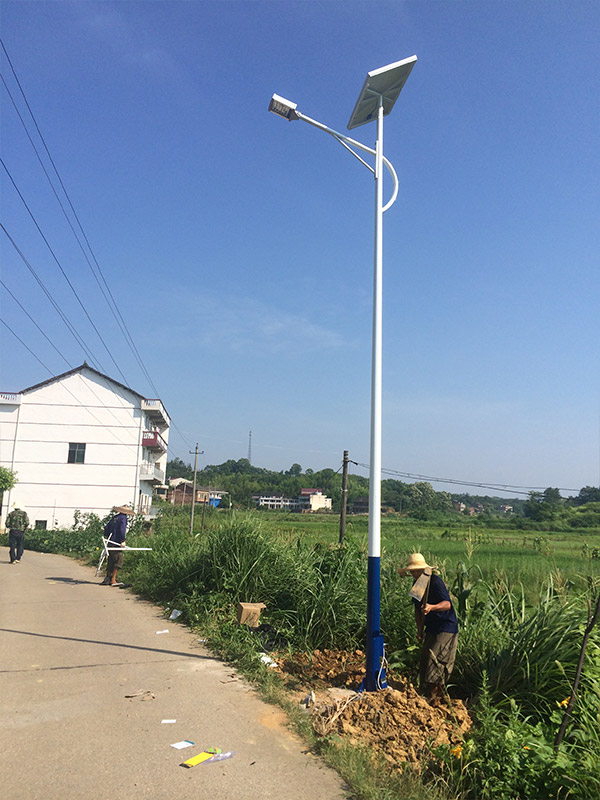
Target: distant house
(181, 490)
(314, 500)
(309, 501)
(81, 441)
(460, 507)
(506, 509)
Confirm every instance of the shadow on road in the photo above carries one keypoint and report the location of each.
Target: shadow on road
(109, 644)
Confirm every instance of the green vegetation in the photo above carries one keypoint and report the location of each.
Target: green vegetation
(543, 511)
(523, 602)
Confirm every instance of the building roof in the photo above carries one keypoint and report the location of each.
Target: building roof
(83, 366)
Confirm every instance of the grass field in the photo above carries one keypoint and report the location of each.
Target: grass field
(526, 557)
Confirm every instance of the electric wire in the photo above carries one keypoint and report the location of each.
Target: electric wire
(24, 310)
(77, 400)
(64, 274)
(112, 305)
(80, 341)
(506, 487)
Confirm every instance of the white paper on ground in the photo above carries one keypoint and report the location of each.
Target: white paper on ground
(168, 721)
(181, 745)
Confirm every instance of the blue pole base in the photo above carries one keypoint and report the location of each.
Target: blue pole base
(375, 674)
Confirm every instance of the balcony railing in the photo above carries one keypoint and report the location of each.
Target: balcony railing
(154, 441)
(156, 412)
(150, 472)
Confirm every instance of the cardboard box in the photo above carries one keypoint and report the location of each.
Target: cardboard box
(249, 614)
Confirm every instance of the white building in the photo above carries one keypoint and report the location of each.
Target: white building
(310, 500)
(81, 441)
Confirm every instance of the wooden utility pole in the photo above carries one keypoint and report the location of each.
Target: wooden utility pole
(195, 452)
(344, 497)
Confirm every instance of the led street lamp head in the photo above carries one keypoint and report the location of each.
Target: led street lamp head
(283, 108)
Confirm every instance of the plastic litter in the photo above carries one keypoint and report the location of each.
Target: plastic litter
(165, 631)
(266, 659)
(220, 757)
(309, 700)
(175, 614)
(204, 756)
(181, 745)
(168, 721)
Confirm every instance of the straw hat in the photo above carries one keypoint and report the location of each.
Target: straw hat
(123, 510)
(415, 561)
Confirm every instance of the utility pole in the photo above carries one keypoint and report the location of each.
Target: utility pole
(250, 447)
(344, 497)
(195, 452)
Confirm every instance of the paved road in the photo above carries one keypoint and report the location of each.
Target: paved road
(70, 652)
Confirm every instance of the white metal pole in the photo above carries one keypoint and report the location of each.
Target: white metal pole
(376, 365)
(375, 675)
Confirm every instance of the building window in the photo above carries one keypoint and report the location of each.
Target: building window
(41, 525)
(76, 453)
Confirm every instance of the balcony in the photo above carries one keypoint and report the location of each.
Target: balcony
(150, 472)
(10, 399)
(156, 412)
(154, 441)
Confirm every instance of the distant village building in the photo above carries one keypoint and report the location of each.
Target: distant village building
(506, 509)
(81, 441)
(181, 490)
(309, 501)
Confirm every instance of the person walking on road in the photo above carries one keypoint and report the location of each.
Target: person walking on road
(437, 626)
(17, 523)
(115, 531)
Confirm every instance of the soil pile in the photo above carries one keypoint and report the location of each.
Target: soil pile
(399, 724)
(396, 722)
(323, 668)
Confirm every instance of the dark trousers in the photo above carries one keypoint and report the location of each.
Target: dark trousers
(15, 542)
(114, 562)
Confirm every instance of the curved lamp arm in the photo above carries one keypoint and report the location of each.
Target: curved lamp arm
(346, 141)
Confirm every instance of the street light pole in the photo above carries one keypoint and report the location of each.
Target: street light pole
(379, 93)
(375, 676)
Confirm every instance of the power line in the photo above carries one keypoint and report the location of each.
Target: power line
(86, 349)
(481, 485)
(64, 274)
(24, 310)
(113, 306)
(78, 402)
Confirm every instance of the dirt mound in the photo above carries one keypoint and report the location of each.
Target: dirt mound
(397, 722)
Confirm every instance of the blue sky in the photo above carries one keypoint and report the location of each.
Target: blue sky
(240, 246)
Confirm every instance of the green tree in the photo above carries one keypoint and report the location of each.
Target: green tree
(179, 469)
(589, 494)
(8, 479)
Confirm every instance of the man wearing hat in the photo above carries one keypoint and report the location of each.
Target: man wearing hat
(115, 530)
(437, 626)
